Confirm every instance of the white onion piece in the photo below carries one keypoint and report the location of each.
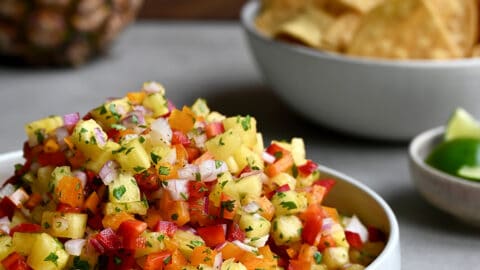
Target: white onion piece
(140, 109)
(153, 87)
(109, 172)
(189, 172)
(259, 242)
(245, 247)
(61, 133)
(5, 225)
(217, 261)
(129, 137)
(268, 158)
(171, 157)
(161, 132)
(19, 197)
(209, 169)
(7, 190)
(82, 176)
(356, 226)
(61, 224)
(327, 224)
(198, 138)
(251, 207)
(74, 246)
(26, 212)
(178, 189)
(100, 136)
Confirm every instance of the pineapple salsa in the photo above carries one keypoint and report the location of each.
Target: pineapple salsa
(139, 184)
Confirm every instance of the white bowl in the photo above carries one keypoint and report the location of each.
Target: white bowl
(384, 99)
(454, 195)
(349, 196)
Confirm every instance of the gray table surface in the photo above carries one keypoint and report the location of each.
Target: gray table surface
(212, 60)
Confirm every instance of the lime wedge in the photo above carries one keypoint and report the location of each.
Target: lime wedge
(462, 125)
(470, 172)
(451, 156)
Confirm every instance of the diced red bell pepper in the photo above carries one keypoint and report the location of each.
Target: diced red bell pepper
(213, 235)
(299, 265)
(307, 168)
(26, 228)
(15, 261)
(95, 222)
(283, 188)
(148, 180)
(179, 137)
(166, 227)
(198, 210)
(235, 233)
(327, 183)
(157, 260)
(109, 240)
(121, 260)
(66, 208)
(130, 231)
(192, 153)
(375, 234)
(353, 239)
(52, 159)
(276, 150)
(312, 227)
(197, 189)
(7, 207)
(214, 129)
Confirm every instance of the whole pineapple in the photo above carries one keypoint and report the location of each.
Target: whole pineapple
(65, 32)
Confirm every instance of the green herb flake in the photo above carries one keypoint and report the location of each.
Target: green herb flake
(164, 170)
(167, 260)
(52, 257)
(288, 205)
(118, 127)
(79, 264)
(119, 191)
(245, 122)
(174, 216)
(317, 256)
(218, 164)
(155, 158)
(229, 205)
(117, 260)
(139, 169)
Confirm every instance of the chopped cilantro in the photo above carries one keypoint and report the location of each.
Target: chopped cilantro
(119, 191)
(155, 158)
(317, 256)
(138, 169)
(289, 205)
(164, 170)
(245, 122)
(218, 164)
(52, 257)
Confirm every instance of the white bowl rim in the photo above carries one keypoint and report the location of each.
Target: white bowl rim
(413, 151)
(393, 241)
(250, 10)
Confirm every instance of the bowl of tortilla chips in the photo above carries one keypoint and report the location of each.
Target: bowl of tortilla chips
(383, 69)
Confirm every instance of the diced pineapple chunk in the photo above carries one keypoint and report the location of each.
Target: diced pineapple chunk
(286, 229)
(6, 246)
(111, 112)
(224, 145)
(200, 107)
(89, 137)
(230, 264)
(47, 254)
(284, 179)
(187, 241)
(335, 257)
(139, 208)
(132, 157)
(124, 189)
(96, 162)
(232, 165)
(18, 218)
(254, 225)
(338, 235)
(298, 151)
(259, 146)
(38, 130)
(216, 193)
(245, 189)
(154, 242)
(65, 225)
(289, 203)
(246, 127)
(215, 117)
(43, 178)
(246, 157)
(157, 103)
(22, 242)
(160, 153)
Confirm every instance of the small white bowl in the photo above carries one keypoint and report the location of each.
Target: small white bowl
(349, 196)
(456, 196)
(375, 98)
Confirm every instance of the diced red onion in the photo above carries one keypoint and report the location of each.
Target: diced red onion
(140, 109)
(71, 119)
(134, 119)
(251, 207)
(327, 224)
(268, 158)
(82, 176)
(60, 223)
(100, 136)
(7, 190)
(61, 133)
(109, 172)
(209, 169)
(19, 197)
(220, 246)
(189, 172)
(250, 173)
(178, 189)
(5, 225)
(153, 87)
(74, 247)
(244, 246)
(198, 137)
(161, 131)
(217, 261)
(356, 226)
(188, 229)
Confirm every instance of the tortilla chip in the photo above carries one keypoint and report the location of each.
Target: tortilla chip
(276, 12)
(362, 6)
(401, 29)
(340, 33)
(307, 28)
(460, 18)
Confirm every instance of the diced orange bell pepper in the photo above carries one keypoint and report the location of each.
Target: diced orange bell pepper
(114, 220)
(203, 255)
(69, 190)
(92, 203)
(136, 97)
(182, 120)
(177, 262)
(281, 165)
(231, 250)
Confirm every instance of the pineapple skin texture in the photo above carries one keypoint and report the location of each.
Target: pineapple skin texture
(61, 32)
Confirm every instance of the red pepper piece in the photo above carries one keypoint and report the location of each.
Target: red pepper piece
(130, 231)
(179, 137)
(307, 168)
(214, 129)
(375, 234)
(353, 239)
(166, 227)
(108, 239)
(313, 219)
(235, 233)
(213, 235)
(26, 228)
(157, 260)
(53, 159)
(7, 208)
(15, 261)
(327, 183)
